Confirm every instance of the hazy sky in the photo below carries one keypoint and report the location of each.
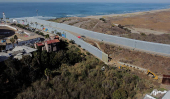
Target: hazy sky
(124, 1)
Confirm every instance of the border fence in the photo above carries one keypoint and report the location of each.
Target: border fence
(142, 45)
(52, 27)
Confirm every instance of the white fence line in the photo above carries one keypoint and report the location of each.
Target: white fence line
(143, 45)
(8, 26)
(93, 50)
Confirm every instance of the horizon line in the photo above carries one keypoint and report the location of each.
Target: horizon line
(74, 2)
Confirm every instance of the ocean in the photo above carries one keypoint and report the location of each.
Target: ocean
(58, 10)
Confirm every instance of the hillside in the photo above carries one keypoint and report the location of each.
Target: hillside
(73, 73)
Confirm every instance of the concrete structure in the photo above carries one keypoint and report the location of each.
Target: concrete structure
(20, 51)
(51, 27)
(17, 53)
(3, 56)
(136, 44)
(167, 95)
(21, 43)
(148, 97)
(25, 48)
(49, 45)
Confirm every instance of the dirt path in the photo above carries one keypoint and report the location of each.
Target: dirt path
(146, 31)
(99, 46)
(80, 23)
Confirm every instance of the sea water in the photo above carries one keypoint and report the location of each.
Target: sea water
(58, 10)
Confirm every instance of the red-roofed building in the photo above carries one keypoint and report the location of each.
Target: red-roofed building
(49, 45)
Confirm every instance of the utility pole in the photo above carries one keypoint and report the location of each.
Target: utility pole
(4, 17)
(37, 12)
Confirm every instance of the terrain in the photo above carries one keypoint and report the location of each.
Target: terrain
(73, 73)
(150, 26)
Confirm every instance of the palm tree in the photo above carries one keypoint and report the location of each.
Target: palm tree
(47, 36)
(23, 21)
(36, 24)
(28, 25)
(37, 56)
(31, 23)
(52, 32)
(12, 40)
(42, 26)
(47, 73)
(15, 37)
(55, 31)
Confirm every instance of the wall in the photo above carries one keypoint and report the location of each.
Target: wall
(93, 50)
(32, 41)
(143, 45)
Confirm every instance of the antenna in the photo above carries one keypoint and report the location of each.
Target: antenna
(4, 17)
(37, 12)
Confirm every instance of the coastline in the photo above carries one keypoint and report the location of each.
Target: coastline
(128, 14)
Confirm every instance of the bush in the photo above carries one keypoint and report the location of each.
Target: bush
(120, 26)
(102, 19)
(72, 41)
(79, 45)
(120, 94)
(58, 33)
(143, 34)
(87, 53)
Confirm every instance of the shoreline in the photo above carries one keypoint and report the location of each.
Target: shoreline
(127, 14)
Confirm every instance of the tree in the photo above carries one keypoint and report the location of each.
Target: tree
(47, 36)
(58, 33)
(28, 25)
(12, 40)
(32, 23)
(23, 21)
(15, 37)
(42, 26)
(47, 73)
(120, 94)
(37, 56)
(52, 32)
(44, 58)
(55, 31)
(26, 60)
(36, 24)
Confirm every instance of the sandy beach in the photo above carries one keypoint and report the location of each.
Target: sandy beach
(127, 14)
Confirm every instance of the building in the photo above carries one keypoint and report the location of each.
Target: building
(17, 53)
(49, 45)
(167, 95)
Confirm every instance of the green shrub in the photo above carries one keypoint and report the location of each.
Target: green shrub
(120, 94)
(72, 41)
(143, 34)
(87, 53)
(79, 45)
(58, 33)
(102, 19)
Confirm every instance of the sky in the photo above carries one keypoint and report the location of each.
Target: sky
(121, 1)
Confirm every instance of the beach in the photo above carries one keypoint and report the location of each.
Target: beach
(128, 14)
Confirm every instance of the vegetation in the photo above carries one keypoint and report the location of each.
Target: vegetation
(66, 74)
(104, 20)
(58, 33)
(15, 37)
(12, 40)
(72, 41)
(143, 34)
(47, 36)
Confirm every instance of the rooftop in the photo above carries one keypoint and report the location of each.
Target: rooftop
(25, 48)
(52, 41)
(3, 56)
(48, 42)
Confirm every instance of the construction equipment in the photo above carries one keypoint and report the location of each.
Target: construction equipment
(123, 66)
(154, 75)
